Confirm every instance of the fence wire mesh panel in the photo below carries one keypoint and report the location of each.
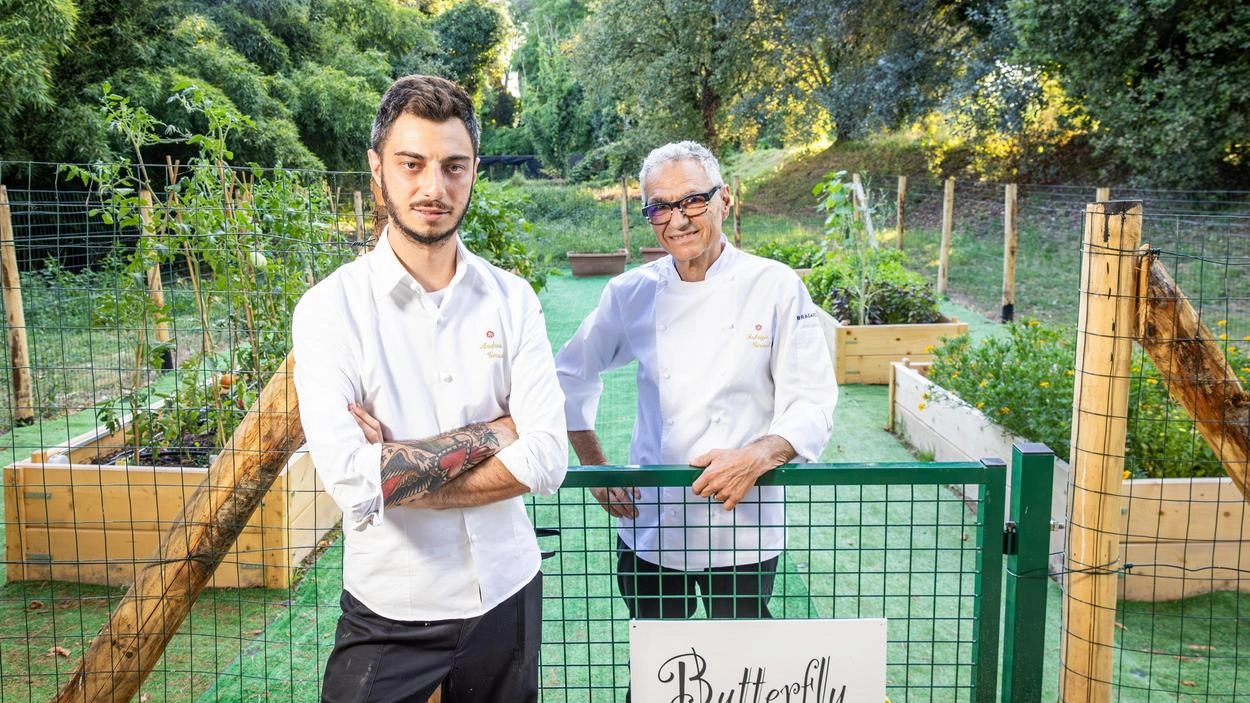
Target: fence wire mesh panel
(1170, 415)
(864, 542)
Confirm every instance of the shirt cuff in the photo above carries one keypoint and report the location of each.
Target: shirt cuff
(515, 458)
(364, 494)
(801, 435)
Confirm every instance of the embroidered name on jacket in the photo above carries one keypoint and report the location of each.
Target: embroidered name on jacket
(758, 339)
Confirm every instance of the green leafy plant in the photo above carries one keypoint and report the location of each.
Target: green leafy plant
(251, 242)
(1024, 381)
(495, 228)
(799, 255)
(859, 282)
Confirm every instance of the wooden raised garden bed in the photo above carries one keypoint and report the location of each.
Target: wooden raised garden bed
(1184, 536)
(68, 518)
(864, 352)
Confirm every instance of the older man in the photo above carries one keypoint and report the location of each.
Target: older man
(431, 405)
(733, 376)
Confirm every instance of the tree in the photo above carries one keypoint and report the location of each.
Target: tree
(33, 36)
(471, 40)
(1167, 83)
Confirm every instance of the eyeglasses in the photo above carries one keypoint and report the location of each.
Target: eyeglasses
(658, 213)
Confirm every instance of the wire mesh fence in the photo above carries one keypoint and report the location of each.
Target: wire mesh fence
(233, 258)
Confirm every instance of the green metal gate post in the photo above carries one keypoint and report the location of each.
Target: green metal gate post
(1028, 555)
(991, 510)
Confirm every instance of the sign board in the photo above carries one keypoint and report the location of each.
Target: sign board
(757, 661)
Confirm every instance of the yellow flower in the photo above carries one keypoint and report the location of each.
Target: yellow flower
(1004, 410)
(980, 405)
(928, 349)
(1034, 323)
(1245, 369)
(1152, 381)
(1223, 336)
(1128, 474)
(921, 406)
(1221, 323)
(954, 374)
(1246, 338)
(1043, 384)
(925, 395)
(1070, 372)
(984, 382)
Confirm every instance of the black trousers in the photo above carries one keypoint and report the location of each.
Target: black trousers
(492, 658)
(652, 591)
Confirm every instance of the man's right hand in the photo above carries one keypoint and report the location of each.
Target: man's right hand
(619, 502)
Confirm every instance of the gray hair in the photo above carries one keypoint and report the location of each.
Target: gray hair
(679, 151)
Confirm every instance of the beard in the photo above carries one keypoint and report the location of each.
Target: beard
(433, 239)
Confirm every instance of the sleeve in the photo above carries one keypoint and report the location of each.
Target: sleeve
(597, 346)
(326, 380)
(805, 387)
(539, 458)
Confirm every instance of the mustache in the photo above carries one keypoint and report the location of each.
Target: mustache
(431, 204)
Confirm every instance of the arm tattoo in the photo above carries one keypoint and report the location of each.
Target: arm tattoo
(414, 468)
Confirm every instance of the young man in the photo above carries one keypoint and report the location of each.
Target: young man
(733, 375)
(444, 361)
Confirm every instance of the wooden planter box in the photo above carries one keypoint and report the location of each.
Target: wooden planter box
(591, 264)
(650, 254)
(1184, 536)
(68, 518)
(864, 352)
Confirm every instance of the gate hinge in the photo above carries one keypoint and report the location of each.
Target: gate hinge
(1011, 543)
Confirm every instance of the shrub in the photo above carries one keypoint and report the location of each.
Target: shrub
(799, 255)
(495, 229)
(1024, 381)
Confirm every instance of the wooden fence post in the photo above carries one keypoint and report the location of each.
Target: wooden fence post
(1102, 195)
(737, 202)
(901, 200)
(948, 223)
(19, 353)
(625, 214)
(156, 290)
(381, 215)
(1104, 349)
(1010, 240)
(358, 207)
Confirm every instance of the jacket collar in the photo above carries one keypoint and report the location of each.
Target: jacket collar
(387, 273)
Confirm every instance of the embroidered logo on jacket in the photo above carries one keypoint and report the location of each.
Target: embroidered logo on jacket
(492, 348)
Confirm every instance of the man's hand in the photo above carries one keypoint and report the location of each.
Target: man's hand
(619, 502)
(731, 473)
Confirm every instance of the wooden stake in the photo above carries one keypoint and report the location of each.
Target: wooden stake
(1103, 354)
(1195, 369)
(381, 216)
(156, 290)
(1010, 240)
(15, 312)
(857, 196)
(358, 206)
(737, 203)
(948, 223)
(625, 215)
(1102, 195)
(901, 200)
(122, 655)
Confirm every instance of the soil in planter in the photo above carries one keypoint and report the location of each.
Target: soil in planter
(192, 450)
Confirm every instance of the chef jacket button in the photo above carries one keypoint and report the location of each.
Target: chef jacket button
(446, 378)
(667, 375)
(663, 328)
(716, 420)
(730, 325)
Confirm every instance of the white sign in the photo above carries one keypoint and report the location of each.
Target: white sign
(757, 661)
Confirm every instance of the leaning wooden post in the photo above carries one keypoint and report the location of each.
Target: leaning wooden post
(1010, 241)
(15, 312)
(737, 201)
(156, 290)
(1102, 195)
(901, 200)
(625, 214)
(1195, 368)
(128, 646)
(1104, 348)
(948, 224)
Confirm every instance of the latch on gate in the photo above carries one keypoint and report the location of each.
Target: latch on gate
(1011, 543)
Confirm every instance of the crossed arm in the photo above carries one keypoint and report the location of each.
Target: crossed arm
(455, 469)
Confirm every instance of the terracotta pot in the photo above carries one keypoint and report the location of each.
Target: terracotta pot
(650, 254)
(597, 264)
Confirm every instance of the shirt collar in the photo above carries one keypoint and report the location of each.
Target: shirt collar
(387, 272)
(724, 262)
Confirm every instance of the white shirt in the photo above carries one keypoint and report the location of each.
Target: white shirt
(721, 363)
(370, 334)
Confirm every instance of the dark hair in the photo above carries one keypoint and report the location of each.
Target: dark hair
(428, 97)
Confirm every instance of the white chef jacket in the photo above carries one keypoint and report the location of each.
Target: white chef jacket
(721, 363)
(370, 334)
